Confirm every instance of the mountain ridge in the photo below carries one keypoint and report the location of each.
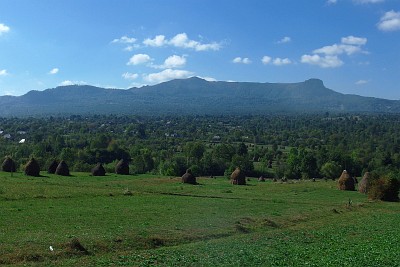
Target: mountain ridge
(193, 96)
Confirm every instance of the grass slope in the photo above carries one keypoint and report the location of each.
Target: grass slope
(166, 223)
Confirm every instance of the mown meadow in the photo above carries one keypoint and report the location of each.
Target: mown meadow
(151, 220)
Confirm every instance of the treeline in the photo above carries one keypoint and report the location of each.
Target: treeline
(303, 146)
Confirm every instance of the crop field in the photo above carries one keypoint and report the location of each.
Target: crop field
(148, 220)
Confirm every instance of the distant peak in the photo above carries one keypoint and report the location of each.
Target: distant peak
(315, 81)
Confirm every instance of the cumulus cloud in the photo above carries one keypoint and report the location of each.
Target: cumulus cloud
(284, 40)
(322, 61)
(208, 79)
(54, 71)
(390, 21)
(275, 61)
(352, 40)
(157, 41)
(266, 60)
(124, 40)
(166, 75)
(281, 61)
(68, 82)
(4, 28)
(328, 56)
(3, 73)
(245, 60)
(174, 62)
(139, 59)
(183, 41)
(130, 76)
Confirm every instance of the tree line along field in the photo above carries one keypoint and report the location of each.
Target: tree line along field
(291, 146)
(152, 220)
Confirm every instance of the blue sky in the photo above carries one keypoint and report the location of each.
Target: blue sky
(352, 45)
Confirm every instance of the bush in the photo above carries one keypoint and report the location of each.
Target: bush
(384, 188)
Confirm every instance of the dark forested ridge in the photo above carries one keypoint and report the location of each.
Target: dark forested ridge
(193, 96)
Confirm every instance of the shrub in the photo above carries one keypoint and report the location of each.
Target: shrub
(384, 188)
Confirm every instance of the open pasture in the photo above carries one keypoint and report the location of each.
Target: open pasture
(149, 220)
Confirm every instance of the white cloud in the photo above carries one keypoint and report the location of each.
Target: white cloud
(281, 61)
(54, 71)
(158, 41)
(245, 60)
(368, 1)
(166, 75)
(331, 2)
(328, 56)
(4, 28)
(130, 76)
(182, 40)
(139, 59)
(3, 73)
(174, 62)
(322, 61)
(68, 82)
(352, 40)
(336, 49)
(124, 40)
(266, 60)
(390, 21)
(361, 82)
(284, 40)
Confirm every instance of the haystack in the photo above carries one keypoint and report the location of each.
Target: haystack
(261, 179)
(238, 177)
(122, 167)
(188, 177)
(363, 185)
(99, 170)
(32, 168)
(8, 165)
(62, 169)
(346, 182)
(53, 167)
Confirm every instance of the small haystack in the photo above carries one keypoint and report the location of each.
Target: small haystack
(188, 177)
(122, 167)
(53, 167)
(346, 182)
(363, 185)
(261, 179)
(62, 169)
(99, 170)
(238, 177)
(32, 168)
(8, 165)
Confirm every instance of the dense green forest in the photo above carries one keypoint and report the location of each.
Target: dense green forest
(304, 146)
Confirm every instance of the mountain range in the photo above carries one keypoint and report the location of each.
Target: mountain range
(193, 96)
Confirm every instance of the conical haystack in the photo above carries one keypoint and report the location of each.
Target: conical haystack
(99, 170)
(8, 165)
(32, 168)
(122, 167)
(53, 167)
(363, 185)
(238, 177)
(346, 182)
(62, 169)
(188, 177)
(261, 179)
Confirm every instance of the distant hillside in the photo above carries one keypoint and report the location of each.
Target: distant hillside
(193, 96)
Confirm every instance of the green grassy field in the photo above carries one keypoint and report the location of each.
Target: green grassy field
(166, 223)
